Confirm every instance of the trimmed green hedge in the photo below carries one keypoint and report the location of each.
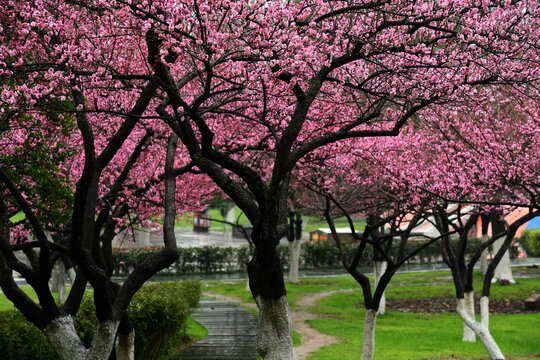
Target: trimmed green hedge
(158, 311)
(227, 259)
(20, 339)
(530, 240)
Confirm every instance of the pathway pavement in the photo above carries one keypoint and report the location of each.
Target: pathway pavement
(231, 332)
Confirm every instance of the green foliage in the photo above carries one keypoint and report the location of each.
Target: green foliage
(159, 312)
(530, 240)
(86, 321)
(313, 255)
(202, 259)
(321, 254)
(34, 165)
(20, 339)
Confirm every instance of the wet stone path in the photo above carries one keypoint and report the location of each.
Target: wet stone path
(231, 332)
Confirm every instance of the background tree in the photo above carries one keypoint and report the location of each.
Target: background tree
(78, 165)
(351, 185)
(482, 163)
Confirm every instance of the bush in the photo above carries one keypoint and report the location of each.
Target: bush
(312, 255)
(530, 240)
(320, 255)
(86, 321)
(158, 312)
(20, 339)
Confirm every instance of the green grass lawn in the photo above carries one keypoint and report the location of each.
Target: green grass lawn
(409, 335)
(195, 330)
(399, 335)
(417, 336)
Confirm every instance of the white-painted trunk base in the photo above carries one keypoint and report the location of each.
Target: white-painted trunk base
(103, 341)
(484, 311)
(503, 271)
(294, 260)
(379, 269)
(468, 333)
(63, 337)
(125, 346)
(274, 333)
(62, 294)
(71, 274)
(483, 257)
(368, 346)
(481, 331)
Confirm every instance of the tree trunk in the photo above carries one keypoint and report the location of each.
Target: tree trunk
(503, 270)
(468, 333)
(294, 259)
(61, 282)
(274, 335)
(55, 281)
(63, 337)
(481, 331)
(103, 341)
(368, 347)
(71, 274)
(230, 218)
(483, 257)
(484, 311)
(380, 268)
(274, 332)
(125, 346)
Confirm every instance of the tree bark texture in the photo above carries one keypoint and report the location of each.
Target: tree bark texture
(481, 331)
(368, 346)
(274, 334)
(125, 346)
(63, 337)
(468, 333)
(484, 311)
(503, 270)
(103, 341)
(294, 259)
(380, 268)
(483, 257)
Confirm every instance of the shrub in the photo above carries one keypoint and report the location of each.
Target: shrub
(86, 321)
(320, 254)
(312, 255)
(20, 339)
(159, 312)
(530, 240)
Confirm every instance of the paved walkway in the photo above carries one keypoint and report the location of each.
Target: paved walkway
(231, 332)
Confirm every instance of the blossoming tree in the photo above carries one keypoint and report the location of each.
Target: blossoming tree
(262, 84)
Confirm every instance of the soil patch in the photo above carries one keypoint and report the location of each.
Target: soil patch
(447, 305)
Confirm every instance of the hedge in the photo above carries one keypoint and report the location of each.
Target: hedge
(158, 312)
(530, 240)
(20, 339)
(227, 259)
